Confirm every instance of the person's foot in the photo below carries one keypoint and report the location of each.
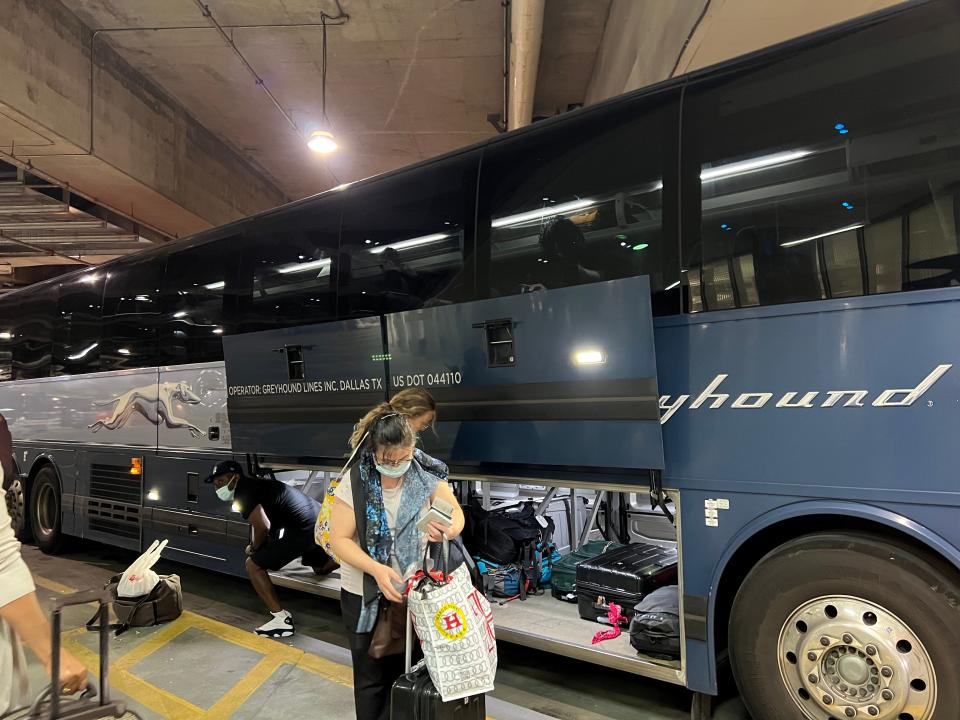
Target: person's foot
(328, 567)
(279, 626)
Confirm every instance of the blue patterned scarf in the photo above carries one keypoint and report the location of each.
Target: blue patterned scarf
(375, 537)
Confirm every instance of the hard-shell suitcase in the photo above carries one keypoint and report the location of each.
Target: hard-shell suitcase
(91, 704)
(563, 581)
(414, 696)
(623, 576)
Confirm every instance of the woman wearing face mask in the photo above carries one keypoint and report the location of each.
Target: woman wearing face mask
(394, 485)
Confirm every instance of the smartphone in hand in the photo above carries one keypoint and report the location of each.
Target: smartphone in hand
(440, 511)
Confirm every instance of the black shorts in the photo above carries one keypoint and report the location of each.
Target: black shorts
(277, 553)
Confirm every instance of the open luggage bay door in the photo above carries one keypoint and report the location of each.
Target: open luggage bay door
(561, 378)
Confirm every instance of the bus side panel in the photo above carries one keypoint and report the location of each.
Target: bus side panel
(854, 404)
(119, 408)
(195, 408)
(181, 508)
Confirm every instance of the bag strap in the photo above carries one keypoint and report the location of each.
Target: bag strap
(120, 628)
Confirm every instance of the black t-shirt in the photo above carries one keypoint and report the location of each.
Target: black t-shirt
(286, 507)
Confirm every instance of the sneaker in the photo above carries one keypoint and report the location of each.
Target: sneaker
(279, 626)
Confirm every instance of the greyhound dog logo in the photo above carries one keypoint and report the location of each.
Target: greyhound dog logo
(155, 402)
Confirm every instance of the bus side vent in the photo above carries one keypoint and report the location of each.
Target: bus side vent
(114, 518)
(114, 482)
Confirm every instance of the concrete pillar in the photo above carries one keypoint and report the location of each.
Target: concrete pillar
(149, 158)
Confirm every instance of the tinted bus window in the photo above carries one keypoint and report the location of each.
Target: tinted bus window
(288, 268)
(8, 313)
(831, 171)
(33, 338)
(76, 341)
(407, 240)
(193, 318)
(584, 200)
(131, 313)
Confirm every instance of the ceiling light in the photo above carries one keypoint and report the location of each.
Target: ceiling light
(123, 351)
(6, 335)
(412, 242)
(304, 267)
(823, 235)
(180, 314)
(542, 213)
(747, 166)
(672, 285)
(321, 141)
(215, 286)
(83, 353)
(218, 331)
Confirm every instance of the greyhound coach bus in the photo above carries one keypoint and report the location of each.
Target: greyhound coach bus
(736, 293)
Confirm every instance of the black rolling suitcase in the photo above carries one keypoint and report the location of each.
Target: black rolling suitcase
(414, 697)
(91, 704)
(623, 576)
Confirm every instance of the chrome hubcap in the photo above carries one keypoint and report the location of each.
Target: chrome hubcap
(844, 657)
(16, 504)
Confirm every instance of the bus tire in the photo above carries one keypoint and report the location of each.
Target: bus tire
(18, 509)
(46, 511)
(837, 625)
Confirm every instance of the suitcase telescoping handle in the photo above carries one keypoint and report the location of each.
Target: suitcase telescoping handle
(103, 598)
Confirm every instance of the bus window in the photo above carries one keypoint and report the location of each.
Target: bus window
(583, 201)
(33, 339)
(192, 302)
(287, 268)
(835, 162)
(131, 312)
(8, 313)
(76, 338)
(883, 247)
(407, 241)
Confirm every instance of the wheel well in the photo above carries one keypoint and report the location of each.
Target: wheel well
(766, 540)
(38, 465)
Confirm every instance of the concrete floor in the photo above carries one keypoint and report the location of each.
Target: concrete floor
(210, 665)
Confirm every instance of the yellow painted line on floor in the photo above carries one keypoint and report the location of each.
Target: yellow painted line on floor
(52, 585)
(275, 655)
(240, 693)
(154, 643)
(156, 699)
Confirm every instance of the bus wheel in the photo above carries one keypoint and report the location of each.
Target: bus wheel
(16, 498)
(847, 625)
(46, 516)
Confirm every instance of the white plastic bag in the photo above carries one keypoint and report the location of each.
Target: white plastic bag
(455, 626)
(139, 579)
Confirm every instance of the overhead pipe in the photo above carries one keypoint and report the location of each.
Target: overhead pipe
(526, 30)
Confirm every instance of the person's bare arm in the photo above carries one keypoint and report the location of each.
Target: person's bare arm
(261, 528)
(343, 526)
(29, 623)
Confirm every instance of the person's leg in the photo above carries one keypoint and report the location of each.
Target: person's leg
(262, 584)
(272, 556)
(372, 678)
(315, 557)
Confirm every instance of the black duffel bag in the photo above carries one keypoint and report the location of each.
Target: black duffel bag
(501, 535)
(162, 604)
(655, 628)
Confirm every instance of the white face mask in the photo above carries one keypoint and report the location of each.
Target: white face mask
(225, 492)
(394, 472)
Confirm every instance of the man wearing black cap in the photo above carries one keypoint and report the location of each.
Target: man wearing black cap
(282, 518)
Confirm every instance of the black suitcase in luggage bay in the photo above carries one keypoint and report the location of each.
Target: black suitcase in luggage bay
(623, 576)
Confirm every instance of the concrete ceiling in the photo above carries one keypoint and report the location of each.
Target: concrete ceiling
(406, 80)
(148, 115)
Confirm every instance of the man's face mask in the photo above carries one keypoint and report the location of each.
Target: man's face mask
(225, 492)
